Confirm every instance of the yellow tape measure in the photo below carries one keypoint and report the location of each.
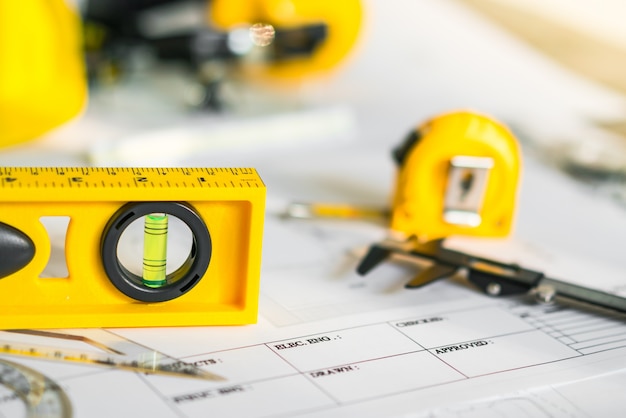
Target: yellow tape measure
(217, 283)
(458, 174)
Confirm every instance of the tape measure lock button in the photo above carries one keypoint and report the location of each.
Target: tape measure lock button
(154, 285)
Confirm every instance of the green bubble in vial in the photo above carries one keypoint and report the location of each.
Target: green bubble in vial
(155, 250)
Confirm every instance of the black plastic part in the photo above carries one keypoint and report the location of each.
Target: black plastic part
(401, 152)
(16, 250)
(179, 282)
(507, 286)
(298, 41)
(374, 257)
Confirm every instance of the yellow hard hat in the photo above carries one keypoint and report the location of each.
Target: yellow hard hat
(342, 20)
(42, 77)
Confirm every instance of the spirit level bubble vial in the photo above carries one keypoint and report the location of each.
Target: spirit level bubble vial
(216, 284)
(155, 250)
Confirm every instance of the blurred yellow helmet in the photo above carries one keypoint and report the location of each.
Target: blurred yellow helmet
(42, 78)
(341, 20)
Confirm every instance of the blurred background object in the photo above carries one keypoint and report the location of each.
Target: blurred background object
(42, 83)
(587, 38)
(162, 57)
(201, 77)
(221, 40)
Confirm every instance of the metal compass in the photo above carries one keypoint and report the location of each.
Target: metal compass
(42, 397)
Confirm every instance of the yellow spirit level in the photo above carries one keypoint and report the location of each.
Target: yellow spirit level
(457, 175)
(218, 283)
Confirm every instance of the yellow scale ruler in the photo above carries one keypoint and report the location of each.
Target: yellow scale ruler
(218, 282)
(43, 397)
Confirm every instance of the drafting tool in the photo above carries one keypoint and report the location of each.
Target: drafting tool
(41, 396)
(218, 283)
(105, 349)
(493, 277)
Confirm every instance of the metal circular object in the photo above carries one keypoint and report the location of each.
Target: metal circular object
(545, 293)
(262, 34)
(41, 396)
(494, 289)
(177, 283)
